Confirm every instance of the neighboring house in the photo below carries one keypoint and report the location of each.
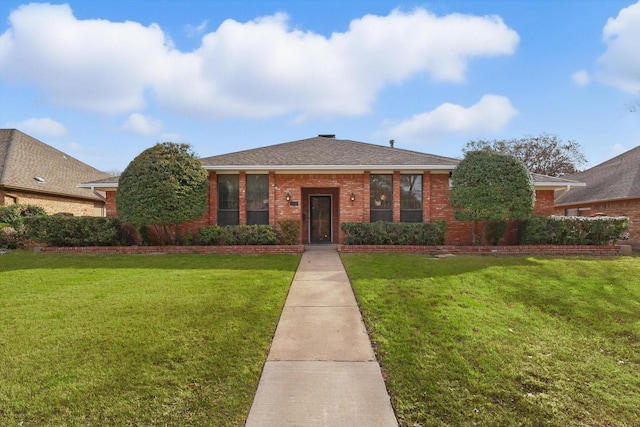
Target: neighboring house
(324, 181)
(613, 189)
(35, 173)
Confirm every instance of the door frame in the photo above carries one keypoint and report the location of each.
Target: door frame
(310, 217)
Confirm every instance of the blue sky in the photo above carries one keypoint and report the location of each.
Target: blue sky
(103, 81)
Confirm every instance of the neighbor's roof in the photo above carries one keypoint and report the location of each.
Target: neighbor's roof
(30, 165)
(326, 153)
(617, 178)
(554, 181)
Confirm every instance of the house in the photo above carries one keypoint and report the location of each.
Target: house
(325, 181)
(612, 189)
(32, 172)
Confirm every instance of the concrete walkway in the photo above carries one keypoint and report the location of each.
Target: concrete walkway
(321, 369)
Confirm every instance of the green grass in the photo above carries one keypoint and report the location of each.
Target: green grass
(135, 340)
(508, 341)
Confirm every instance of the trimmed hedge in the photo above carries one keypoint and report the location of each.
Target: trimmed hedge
(389, 233)
(289, 231)
(75, 231)
(237, 235)
(573, 230)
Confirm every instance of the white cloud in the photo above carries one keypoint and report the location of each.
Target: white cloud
(490, 114)
(619, 65)
(142, 125)
(581, 78)
(261, 68)
(40, 127)
(92, 65)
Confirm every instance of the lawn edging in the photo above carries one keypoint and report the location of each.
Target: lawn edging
(597, 250)
(223, 250)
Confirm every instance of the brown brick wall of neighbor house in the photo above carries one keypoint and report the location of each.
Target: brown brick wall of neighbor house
(340, 186)
(54, 204)
(629, 208)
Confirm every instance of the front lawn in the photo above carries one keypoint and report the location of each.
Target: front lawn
(135, 340)
(508, 341)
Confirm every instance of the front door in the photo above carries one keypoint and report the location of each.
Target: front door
(320, 219)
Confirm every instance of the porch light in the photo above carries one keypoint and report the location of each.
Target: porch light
(353, 197)
(288, 196)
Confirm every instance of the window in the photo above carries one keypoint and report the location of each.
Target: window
(228, 192)
(381, 198)
(257, 199)
(411, 198)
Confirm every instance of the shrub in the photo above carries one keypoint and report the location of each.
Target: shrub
(9, 237)
(388, 233)
(569, 230)
(289, 231)
(13, 214)
(12, 230)
(237, 235)
(75, 231)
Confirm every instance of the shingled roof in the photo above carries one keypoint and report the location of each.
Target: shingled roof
(31, 165)
(327, 152)
(618, 178)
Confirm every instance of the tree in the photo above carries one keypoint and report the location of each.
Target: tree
(163, 187)
(491, 187)
(544, 154)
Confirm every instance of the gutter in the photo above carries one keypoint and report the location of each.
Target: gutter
(311, 168)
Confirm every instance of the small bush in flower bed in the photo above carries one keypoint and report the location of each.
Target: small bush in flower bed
(289, 231)
(573, 230)
(389, 233)
(237, 235)
(75, 231)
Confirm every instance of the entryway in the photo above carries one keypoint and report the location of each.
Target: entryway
(320, 219)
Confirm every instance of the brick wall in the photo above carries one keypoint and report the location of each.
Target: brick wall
(54, 204)
(299, 249)
(241, 250)
(629, 208)
(486, 250)
(340, 187)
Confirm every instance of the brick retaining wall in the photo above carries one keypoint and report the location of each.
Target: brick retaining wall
(609, 250)
(243, 250)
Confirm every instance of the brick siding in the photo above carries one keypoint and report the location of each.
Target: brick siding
(340, 187)
(629, 208)
(54, 204)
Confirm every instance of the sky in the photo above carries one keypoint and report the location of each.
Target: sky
(103, 81)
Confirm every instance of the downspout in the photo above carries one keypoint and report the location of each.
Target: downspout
(94, 191)
(564, 193)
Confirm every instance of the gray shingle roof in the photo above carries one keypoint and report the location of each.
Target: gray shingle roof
(551, 181)
(323, 152)
(617, 178)
(28, 164)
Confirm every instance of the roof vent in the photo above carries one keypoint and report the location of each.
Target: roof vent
(327, 135)
(391, 142)
(38, 178)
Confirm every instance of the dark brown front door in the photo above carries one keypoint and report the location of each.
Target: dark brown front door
(320, 219)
